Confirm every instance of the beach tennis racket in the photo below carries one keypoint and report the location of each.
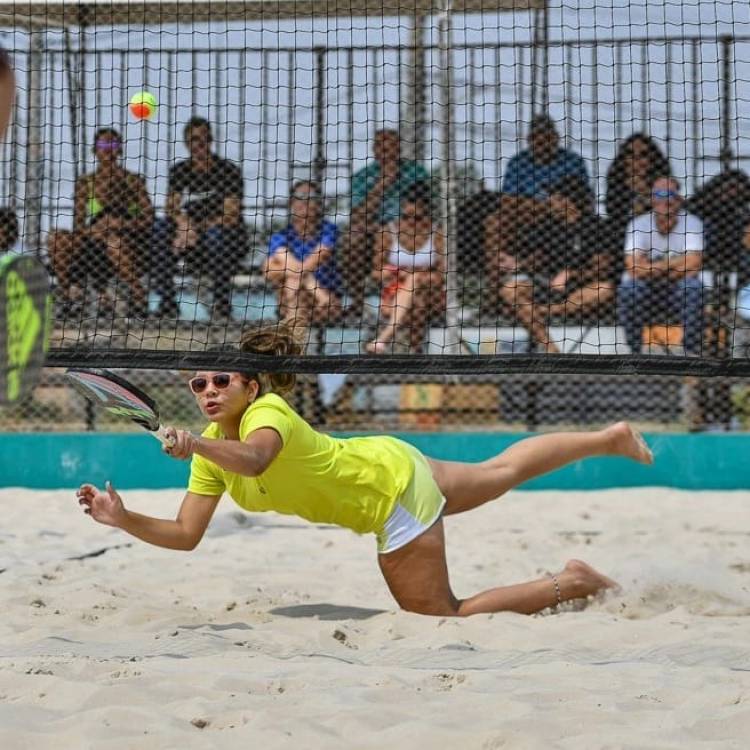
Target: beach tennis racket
(25, 319)
(121, 398)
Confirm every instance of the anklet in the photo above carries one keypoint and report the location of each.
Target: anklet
(557, 590)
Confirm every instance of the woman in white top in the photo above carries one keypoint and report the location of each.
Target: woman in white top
(409, 264)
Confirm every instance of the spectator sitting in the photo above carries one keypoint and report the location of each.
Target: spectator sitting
(639, 161)
(526, 193)
(301, 261)
(204, 222)
(410, 265)
(549, 263)
(8, 231)
(471, 215)
(663, 260)
(723, 204)
(111, 224)
(377, 191)
(743, 275)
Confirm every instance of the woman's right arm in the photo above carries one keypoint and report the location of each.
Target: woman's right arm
(183, 533)
(79, 203)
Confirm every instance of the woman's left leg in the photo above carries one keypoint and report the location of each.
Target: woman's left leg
(417, 576)
(466, 486)
(122, 256)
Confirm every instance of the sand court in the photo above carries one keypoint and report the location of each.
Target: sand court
(275, 633)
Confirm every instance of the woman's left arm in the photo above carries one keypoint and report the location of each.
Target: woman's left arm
(440, 263)
(249, 458)
(324, 249)
(316, 258)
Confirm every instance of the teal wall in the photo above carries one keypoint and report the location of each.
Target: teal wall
(129, 461)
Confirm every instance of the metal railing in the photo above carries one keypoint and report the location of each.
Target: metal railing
(293, 112)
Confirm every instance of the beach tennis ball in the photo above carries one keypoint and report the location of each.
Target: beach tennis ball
(143, 105)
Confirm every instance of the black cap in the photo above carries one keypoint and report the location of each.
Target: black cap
(542, 123)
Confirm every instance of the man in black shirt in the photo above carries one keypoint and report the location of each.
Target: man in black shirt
(204, 222)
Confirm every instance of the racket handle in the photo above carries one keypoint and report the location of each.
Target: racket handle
(161, 435)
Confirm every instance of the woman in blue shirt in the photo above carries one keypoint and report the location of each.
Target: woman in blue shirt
(301, 261)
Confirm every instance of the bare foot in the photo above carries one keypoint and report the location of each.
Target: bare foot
(628, 442)
(579, 580)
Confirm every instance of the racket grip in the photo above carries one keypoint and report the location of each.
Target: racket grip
(161, 435)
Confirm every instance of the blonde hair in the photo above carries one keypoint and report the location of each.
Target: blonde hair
(279, 340)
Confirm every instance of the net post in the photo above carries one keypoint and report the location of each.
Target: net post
(35, 142)
(447, 179)
(319, 160)
(413, 117)
(726, 154)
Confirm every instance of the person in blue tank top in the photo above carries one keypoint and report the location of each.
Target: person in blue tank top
(301, 261)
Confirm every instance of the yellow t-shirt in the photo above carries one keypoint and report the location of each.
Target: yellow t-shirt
(352, 482)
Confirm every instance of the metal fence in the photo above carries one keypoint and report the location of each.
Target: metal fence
(296, 112)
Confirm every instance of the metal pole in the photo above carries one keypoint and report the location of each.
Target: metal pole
(447, 178)
(726, 153)
(83, 12)
(319, 160)
(413, 117)
(545, 56)
(540, 61)
(35, 144)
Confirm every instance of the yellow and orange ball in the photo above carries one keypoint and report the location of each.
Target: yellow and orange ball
(143, 105)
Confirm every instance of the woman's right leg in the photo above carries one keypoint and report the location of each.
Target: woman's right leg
(466, 486)
(417, 576)
(584, 299)
(398, 314)
(61, 247)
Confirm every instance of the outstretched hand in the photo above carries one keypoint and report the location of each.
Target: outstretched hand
(105, 507)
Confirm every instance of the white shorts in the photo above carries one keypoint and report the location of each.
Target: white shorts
(419, 507)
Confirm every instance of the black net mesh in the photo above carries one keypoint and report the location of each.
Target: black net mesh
(479, 214)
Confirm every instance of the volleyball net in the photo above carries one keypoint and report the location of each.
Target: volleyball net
(496, 210)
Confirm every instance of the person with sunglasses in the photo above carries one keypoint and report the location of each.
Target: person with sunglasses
(112, 222)
(663, 263)
(301, 261)
(637, 163)
(410, 267)
(267, 458)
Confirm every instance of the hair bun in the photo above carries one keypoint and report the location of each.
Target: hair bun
(279, 340)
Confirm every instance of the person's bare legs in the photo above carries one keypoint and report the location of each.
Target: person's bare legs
(284, 271)
(62, 248)
(428, 302)
(519, 296)
(356, 259)
(466, 486)
(395, 319)
(417, 577)
(583, 300)
(122, 256)
(325, 306)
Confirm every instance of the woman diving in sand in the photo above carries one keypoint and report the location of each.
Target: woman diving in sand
(260, 451)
